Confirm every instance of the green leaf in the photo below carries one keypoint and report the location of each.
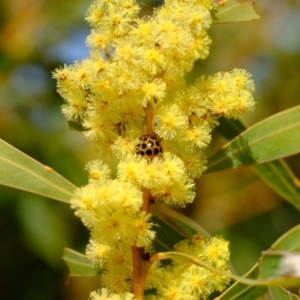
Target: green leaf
(172, 227)
(20, 171)
(289, 242)
(78, 264)
(166, 236)
(277, 292)
(281, 179)
(273, 138)
(277, 174)
(235, 11)
(180, 223)
(75, 126)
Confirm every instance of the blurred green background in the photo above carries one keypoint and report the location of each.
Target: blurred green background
(36, 36)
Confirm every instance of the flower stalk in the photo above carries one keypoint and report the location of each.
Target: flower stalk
(140, 271)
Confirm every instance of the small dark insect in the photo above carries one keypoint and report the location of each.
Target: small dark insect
(149, 147)
(146, 256)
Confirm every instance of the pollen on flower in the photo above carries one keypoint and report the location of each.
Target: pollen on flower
(153, 91)
(199, 19)
(152, 60)
(131, 8)
(98, 39)
(170, 122)
(242, 80)
(196, 282)
(176, 193)
(141, 231)
(221, 85)
(95, 13)
(126, 52)
(116, 280)
(75, 108)
(124, 147)
(151, 176)
(215, 251)
(127, 197)
(200, 135)
(130, 169)
(62, 74)
(98, 170)
(97, 252)
(195, 165)
(173, 166)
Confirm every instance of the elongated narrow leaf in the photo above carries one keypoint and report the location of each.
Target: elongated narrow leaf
(277, 292)
(19, 171)
(78, 264)
(235, 11)
(172, 227)
(75, 126)
(277, 174)
(273, 138)
(185, 226)
(289, 242)
(166, 236)
(281, 179)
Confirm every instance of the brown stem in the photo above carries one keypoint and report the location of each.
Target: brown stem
(146, 200)
(140, 265)
(107, 53)
(149, 118)
(140, 270)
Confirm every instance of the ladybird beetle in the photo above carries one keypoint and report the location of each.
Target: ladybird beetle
(149, 147)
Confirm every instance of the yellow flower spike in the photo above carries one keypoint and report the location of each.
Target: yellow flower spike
(131, 86)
